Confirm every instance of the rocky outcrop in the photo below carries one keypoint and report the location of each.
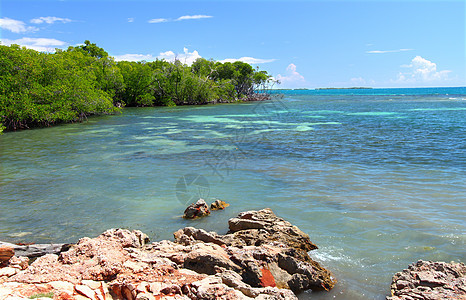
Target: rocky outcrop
(121, 264)
(265, 246)
(430, 280)
(197, 210)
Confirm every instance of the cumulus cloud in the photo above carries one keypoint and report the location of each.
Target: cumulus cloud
(50, 20)
(194, 17)
(388, 51)
(134, 57)
(38, 44)
(292, 78)
(15, 26)
(249, 60)
(186, 57)
(158, 20)
(130, 20)
(422, 70)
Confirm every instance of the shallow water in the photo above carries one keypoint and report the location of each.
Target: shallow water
(375, 177)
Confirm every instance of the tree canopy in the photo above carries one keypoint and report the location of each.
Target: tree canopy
(42, 89)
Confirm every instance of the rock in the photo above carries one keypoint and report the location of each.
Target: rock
(62, 286)
(8, 271)
(5, 292)
(65, 296)
(430, 280)
(119, 264)
(5, 254)
(85, 291)
(205, 258)
(19, 262)
(263, 265)
(212, 288)
(127, 238)
(92, 284)
(197, 210)
(35, 250)
(263, 226)
(218, 205)
(191, 235)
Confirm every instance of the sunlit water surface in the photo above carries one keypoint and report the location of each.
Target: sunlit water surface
(376, 177)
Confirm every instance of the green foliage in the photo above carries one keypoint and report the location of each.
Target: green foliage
(42, 89)
(42, 295)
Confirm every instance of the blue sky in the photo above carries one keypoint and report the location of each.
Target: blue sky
(301, 43)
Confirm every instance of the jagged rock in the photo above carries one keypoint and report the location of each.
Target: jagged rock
(259, 232)
(19, 262)
(8, 271)
(204, 258)
(430, 280)
(119, 264)
(218, 205)
(191, 235)
(85, 291)
(5, 254)
(263, 226)
(197, 210)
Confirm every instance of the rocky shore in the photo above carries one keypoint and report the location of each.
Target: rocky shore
(261, 257)
(430, 280)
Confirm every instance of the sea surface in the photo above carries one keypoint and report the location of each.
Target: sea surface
(376, 177)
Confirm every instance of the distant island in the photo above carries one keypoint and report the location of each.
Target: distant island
(348, 88)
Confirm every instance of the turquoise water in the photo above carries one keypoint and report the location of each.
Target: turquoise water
(375, 177)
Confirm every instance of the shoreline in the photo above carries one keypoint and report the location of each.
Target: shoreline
(261, 257)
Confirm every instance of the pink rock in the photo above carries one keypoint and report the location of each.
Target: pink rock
(85, 291)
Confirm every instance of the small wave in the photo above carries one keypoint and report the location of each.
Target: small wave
(329, 254)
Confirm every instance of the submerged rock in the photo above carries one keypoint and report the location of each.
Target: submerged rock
(197, 210)
(430, 280)
(219, 205)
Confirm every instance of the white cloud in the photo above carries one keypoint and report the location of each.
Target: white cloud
(249, 60)
(50, 20)
(130, 20)
(186, 57)
(15, 26)
(38, 44)
(134, 57)
(158, 20)
(182, 18)
(422, 70)
(194, 17)
(358, 80)
(388, 51)
(292, 78)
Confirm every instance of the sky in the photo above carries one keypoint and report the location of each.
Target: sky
(303, 44)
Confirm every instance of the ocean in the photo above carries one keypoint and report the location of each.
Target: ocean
(376, 177)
